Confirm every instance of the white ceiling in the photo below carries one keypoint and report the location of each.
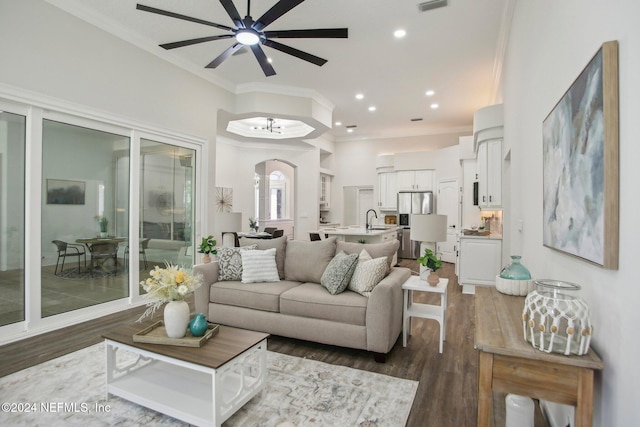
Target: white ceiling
(455, 51)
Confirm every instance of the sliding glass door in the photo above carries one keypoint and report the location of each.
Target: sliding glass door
(12, 227)
(84, 217)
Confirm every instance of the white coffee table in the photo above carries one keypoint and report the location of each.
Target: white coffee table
(424, 311)
(202, 386)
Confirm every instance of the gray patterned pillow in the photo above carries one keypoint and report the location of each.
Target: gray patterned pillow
(338, 273)
(230, 262)
(368, 273)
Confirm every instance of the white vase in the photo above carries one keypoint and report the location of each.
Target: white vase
(176, 318)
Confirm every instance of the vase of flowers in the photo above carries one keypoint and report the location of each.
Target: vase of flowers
(208, 248)
(432, 263)
(253, 224)
(170, 285)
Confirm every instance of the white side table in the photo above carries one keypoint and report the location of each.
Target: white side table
(424, 311)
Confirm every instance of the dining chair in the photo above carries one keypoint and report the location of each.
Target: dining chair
(314, 237)
(277, 233)
(102, 252)
(142, 250)
(230, 239)
(69, 250)
(270, 230)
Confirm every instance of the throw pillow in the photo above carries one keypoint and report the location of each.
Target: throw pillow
(280, 243)
(306, 261)
(230, 262)
(367, 274)
(376, 250)
(337, 275)
(259, 266)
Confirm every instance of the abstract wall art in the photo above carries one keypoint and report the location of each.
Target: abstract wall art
(580, 165)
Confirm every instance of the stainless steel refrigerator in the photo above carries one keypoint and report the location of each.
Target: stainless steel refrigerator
(412, 202)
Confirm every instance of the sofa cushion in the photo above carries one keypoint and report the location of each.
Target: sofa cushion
(257, 296)
(376, 250)
(305, 261)
(368, 273)
(230, 262)
(337, 275)
(313, 300)
(259, 266)
(279, 243)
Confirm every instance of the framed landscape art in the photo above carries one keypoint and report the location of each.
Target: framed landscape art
(65, 192)
(580, 165)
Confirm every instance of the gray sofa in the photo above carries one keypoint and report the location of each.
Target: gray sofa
(299, 307)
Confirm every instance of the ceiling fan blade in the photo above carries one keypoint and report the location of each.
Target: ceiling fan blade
(233, 13)
(224, 55)
(295, 52)
(278, 9)
(183, 17)
(322, 33)
(194, 41)
(262, 60)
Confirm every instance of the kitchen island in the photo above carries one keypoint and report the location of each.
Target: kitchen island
(378, 234)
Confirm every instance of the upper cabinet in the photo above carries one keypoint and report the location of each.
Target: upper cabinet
(325, 191)
(416, 180)
(387, 191)
(490, 173)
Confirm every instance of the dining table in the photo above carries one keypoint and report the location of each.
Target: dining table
(91, 242)
(260, 235)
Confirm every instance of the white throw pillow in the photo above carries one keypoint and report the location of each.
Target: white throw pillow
(259, 266)
(368, 273)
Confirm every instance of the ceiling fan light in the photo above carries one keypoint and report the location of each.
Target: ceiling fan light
(247, 37)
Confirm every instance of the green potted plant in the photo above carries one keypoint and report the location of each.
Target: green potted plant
(103, 223)
(430, 261)
(208, 248)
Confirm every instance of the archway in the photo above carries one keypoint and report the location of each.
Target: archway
(275, 186)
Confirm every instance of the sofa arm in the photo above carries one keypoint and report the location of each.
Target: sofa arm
(209, 274)
(384, 311)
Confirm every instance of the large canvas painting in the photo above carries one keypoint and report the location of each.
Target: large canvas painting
(580, 160)
(65, 192)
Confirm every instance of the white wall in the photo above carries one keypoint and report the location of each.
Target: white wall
(52, 53)
(550, 44)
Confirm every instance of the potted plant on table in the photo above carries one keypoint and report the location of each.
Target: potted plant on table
(103, 223)
(430, 261)
(253, 224)
(208, 248)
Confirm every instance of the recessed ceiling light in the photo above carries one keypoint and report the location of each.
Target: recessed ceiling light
(434, 106)
(430, 93)
(372, 108)
(400, 33)
(338, 123)
(349, 130)
(359, 96)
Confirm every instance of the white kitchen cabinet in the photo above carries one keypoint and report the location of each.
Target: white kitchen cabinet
(325, 191)
(479, 260)
(415, 180)
(387, 191)
(490, 174)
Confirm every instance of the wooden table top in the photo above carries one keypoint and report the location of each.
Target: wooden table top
(225, 345)
(499, 331)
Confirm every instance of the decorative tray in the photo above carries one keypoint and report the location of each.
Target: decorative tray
(157, 334)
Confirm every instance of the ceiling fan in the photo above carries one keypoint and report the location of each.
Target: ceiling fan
(251, 33)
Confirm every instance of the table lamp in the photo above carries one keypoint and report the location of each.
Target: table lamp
(427, 229)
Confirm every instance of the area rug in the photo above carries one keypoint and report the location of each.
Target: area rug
(70, 391)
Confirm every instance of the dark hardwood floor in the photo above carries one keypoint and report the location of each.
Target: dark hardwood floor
(447, 390)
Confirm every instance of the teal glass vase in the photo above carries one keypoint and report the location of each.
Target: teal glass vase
(198, 325)
(515, 270)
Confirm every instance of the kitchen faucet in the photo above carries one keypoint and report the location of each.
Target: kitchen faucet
(366, 218)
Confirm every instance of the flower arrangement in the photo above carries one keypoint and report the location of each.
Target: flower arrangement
(253, 224)
(172, 283)
(208, 246)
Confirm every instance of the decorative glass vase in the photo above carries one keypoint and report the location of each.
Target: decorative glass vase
(515, 270)
(176, 318)
(198, 325)
(556, 320)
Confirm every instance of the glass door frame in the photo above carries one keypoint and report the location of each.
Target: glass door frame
(37, 108)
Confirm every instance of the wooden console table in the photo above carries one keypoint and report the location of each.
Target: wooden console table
(509, 364)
